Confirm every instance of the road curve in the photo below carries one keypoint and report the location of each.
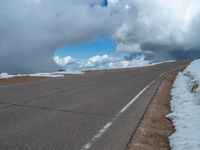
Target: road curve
(99, 110)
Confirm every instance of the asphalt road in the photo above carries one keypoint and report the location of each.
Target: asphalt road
(78, 110)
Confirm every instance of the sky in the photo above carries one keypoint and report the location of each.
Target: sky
(100, 45)
(46, 35)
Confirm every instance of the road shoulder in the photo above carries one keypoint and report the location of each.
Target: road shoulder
(154, 129)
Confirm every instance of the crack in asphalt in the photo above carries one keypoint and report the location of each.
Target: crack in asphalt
(53, 109)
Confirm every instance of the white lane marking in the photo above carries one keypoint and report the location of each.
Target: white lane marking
(109, 124)
(162, 74)
(133, 100)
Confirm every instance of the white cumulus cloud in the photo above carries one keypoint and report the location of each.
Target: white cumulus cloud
(109, 62)
(95, 61)
(63, 61)
(98, 58)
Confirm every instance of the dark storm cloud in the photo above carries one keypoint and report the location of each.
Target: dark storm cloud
(31, 30)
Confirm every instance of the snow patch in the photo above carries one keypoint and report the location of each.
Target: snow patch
(51, 75)
(185, 106)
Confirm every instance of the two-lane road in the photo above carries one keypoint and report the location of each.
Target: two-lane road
(90, 111)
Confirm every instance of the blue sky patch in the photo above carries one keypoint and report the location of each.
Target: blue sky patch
(99, 46)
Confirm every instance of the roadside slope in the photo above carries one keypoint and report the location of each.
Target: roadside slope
(154, 129)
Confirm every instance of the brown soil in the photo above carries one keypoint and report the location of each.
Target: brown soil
(155, 128)
(20, 80)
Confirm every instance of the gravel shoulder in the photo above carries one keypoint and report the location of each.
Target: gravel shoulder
(154, 130)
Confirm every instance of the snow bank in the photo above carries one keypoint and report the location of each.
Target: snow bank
(194, 70)
(51, 75)
(6, 75)
(185, 106)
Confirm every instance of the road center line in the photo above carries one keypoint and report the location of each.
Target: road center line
(109, 124)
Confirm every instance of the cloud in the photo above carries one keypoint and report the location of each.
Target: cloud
(95, 61)
(98, 59)
(107, 62)
(129, 48)
(113, 1)
(63, 61)
(160, 28)
(124, 63)
(31, 30)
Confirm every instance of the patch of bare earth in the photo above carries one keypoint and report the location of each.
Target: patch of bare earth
(20, 80)
(154, 129)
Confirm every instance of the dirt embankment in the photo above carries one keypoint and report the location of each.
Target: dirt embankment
(19, 80)
(154, 129)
